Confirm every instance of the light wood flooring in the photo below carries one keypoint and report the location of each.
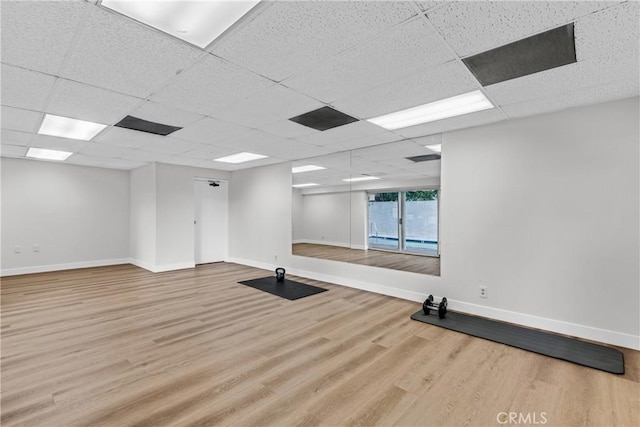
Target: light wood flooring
(120, 346)
(395, 261)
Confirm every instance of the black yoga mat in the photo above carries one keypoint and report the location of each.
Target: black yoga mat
(558, 346)
(288, 289)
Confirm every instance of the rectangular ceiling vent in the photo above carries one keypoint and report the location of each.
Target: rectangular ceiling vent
(323, 118)
(544, 51)
(424, 158)
(141, 125)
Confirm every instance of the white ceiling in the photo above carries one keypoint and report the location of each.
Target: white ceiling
(366, 58)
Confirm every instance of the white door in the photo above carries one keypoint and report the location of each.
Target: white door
(210, 221)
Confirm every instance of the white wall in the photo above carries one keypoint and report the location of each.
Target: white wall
(143, 216)
(326, 219)
(173, 225)
(359, 221)
(517, 202)
(79, 216)
(260, 215)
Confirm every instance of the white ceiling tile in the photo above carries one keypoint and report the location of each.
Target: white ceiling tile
(277, 43)
(104, 162)
(275, 103)
(611, 33)
(460, 122)
(192, 161)
(37, 34)
(140, 59)
(209, 85)
(84, 102)
(428, 85)
(55, 143)
(545, 84)
(160, 113)
(208, 152)
(366, 141)
(406, 49)
(338, 135)
(399, 149)
(211, 131)
(582, 96)
(124, 138)
(144, 156)
(15, 137)
(169, 145)
(20, 120)
(25, 89)
(334, 161)
(7, 150)
(474, 26)
(287, 129)
(102, 150)
(430, 4)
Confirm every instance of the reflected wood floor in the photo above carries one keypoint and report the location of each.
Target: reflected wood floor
(120, 346)
(406, 262)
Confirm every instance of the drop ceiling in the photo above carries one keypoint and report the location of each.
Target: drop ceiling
(80, 60)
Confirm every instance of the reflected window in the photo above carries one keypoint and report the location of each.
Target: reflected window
(404, 221)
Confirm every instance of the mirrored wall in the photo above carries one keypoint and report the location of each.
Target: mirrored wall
(376, 206)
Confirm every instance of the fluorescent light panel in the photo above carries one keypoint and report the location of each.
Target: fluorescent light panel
(196, 22)
(240, 158)
(66, 127)
(310, 184)
(435, 147)
(306, 168)
(44, 154)
(445, 108)
(361, 178)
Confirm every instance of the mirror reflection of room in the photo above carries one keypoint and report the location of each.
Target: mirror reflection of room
(375, 206)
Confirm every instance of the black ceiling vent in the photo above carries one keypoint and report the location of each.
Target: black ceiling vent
(424, 158)
(134, 123)
(543, 51)
(323, 118)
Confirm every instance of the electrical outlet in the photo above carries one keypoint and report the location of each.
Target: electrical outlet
(483, 291)
(275, 258)
(17, 250)
(36, 247)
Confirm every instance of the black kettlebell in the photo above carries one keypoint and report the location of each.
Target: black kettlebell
(280, 274)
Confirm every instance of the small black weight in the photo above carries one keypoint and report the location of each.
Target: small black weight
(280, 274)
(429, 304)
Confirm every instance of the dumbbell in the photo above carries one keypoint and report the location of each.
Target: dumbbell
(429, 304)
(280, 274)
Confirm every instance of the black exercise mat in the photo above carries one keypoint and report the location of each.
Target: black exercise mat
(288, 289)
(558, 346)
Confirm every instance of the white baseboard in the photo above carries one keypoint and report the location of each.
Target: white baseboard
(558, 326)
(161, 268)
(59, 267)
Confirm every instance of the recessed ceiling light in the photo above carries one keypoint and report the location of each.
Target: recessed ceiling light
(310, 184)
(44, 154)
(438, 110)
(306, 168)
(240, 158)
(69, 128)
(435, 147)
(196, 22)
(361, 178)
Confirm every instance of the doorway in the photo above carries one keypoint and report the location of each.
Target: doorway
(210, 220)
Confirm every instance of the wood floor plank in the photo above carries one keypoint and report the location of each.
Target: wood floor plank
(120, 346)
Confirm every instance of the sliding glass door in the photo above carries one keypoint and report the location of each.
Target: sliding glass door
(404, 221)
(420, 220)
(384, 211)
